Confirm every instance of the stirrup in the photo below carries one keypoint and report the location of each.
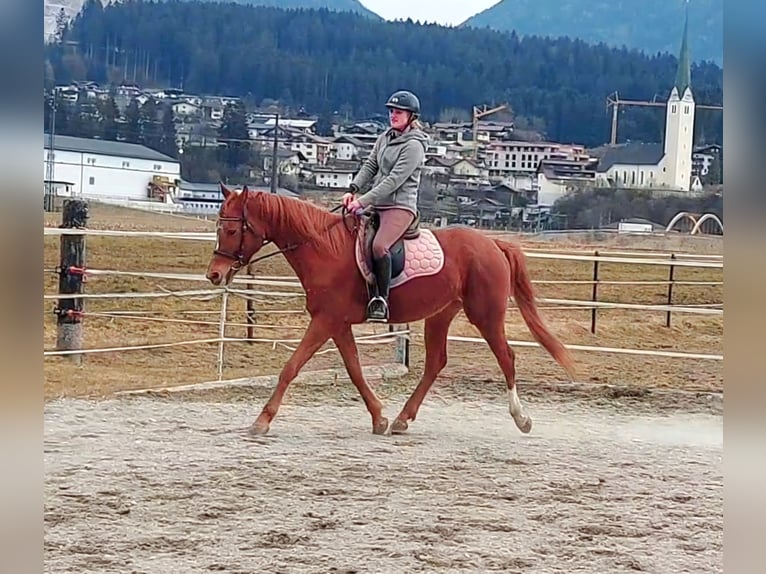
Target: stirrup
(377, 310)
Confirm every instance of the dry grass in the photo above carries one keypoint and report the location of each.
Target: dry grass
(103, 374)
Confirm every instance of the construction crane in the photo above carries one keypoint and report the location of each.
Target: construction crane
(477, 115)
(614, 101)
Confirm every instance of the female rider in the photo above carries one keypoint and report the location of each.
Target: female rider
(395, 161)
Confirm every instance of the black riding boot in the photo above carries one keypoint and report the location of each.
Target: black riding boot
(377, 309)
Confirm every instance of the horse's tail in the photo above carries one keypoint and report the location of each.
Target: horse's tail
(524, 295)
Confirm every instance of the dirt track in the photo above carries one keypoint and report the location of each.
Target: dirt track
(156, 486)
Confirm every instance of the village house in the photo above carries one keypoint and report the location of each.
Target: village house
(335, 177)
(507, 158)
(456, 169)
(316, 149)
(703, 157)
(186, 108)
(288, 161)
(213, 108)
(438, 166)
(347, 147)
(557, 177)
(266, 122)
(469, 169)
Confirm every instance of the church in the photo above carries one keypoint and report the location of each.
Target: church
(667, 165)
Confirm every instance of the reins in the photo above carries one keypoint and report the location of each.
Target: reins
(296, 245)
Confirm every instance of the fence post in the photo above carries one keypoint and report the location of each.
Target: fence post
(594, 296)
(402, 353)
(671, 280)
(250, 313)
(222, 332)
(71, 276)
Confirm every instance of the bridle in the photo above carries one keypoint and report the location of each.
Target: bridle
(239, 256)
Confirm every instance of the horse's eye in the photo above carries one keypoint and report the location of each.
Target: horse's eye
(231, 231)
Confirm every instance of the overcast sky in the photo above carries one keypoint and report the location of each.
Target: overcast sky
(447, 12)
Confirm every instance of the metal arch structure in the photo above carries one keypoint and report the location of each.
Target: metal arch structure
(695, 219)
(678, 217)
(703, 219)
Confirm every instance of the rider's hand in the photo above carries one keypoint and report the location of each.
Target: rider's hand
(347, 198)
(354, 206)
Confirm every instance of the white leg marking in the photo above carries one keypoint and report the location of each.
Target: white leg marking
(523, 422)
(514, 404)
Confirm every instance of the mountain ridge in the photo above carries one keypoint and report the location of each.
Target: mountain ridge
(341, 62)
(613, 22)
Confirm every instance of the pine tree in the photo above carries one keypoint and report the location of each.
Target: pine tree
(109, 116)
(167, 144)
(151, 128)
(235, 135)
(132, 126)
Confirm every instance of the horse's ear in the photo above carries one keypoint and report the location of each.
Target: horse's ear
(244, 189)
(225, 190)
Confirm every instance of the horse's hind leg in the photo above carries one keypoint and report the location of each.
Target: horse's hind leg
(489, 319)
(435, 335)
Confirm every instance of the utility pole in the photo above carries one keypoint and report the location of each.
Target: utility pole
(48, 200)
(274, 175)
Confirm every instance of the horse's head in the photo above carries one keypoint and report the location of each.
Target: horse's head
(237, 239)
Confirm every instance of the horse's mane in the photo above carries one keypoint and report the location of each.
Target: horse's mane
(306, 220)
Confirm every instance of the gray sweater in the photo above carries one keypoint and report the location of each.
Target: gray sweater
(397, 160)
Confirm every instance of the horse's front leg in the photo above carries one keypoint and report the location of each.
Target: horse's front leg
(316, 335)
(344, 340)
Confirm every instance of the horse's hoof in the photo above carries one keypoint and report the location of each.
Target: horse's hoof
(380, 426)
(525, 424)
(258, 429)
(398, 426)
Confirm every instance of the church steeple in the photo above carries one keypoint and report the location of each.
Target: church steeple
(679, 123)
(684, 74)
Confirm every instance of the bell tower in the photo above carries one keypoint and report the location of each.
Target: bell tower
(679, 121)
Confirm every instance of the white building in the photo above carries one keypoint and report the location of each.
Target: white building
(506, 159)
(333, 177)
(703, 158)
(347, 148)
(556, 178)
(106, 170)
(206, 198)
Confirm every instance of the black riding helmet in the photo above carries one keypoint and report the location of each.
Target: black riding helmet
(404, 100)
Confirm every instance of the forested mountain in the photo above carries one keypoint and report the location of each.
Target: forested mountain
(649, 25)
(335, 5)
(51, 8)
(328, 61)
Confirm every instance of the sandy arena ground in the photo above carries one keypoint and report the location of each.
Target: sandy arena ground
(144, 485)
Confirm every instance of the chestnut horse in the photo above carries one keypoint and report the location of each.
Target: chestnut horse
(479, 274)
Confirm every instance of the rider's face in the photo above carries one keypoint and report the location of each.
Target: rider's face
(399, 119)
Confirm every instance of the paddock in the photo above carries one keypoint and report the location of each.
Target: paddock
(159, 485)
(621, 472)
